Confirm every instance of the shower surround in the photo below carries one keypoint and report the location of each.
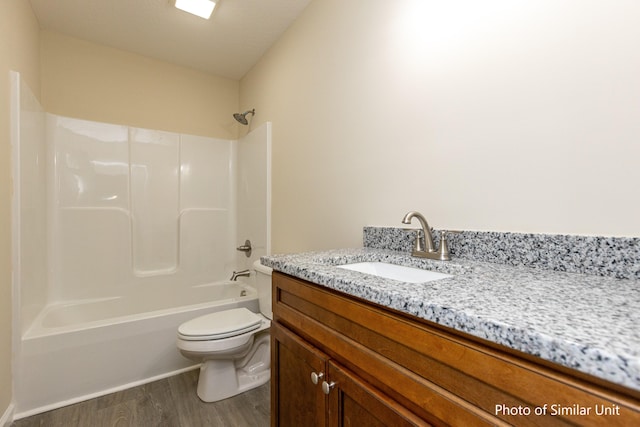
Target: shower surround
(127, 228)
(133, 207)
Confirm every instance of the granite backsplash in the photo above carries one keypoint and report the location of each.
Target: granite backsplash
(617, 257)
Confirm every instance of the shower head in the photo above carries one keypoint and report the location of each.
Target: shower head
(242, 118)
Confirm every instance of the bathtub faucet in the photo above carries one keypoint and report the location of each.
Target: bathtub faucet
(236, 274)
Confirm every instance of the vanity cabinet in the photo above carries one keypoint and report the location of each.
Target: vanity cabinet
(382, 367)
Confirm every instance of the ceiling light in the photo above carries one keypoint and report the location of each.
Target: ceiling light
(201, 8)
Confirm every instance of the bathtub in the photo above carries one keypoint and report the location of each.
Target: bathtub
(84, 349)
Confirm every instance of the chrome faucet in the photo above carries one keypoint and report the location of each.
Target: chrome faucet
(419, 250)
(243, 273)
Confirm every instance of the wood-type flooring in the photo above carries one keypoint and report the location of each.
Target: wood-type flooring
(170, 402)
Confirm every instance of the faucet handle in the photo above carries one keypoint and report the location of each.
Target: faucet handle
(443, 250)
(417, 244)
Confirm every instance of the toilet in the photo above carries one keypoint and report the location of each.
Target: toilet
(233, 345)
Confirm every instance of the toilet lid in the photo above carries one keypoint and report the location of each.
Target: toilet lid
(222, 324)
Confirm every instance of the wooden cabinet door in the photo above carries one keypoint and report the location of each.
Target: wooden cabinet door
(352, 402)
(295, 400)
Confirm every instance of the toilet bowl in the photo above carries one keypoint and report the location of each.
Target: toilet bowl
(233, 345)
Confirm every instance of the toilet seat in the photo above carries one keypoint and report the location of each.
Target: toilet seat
(220, 325)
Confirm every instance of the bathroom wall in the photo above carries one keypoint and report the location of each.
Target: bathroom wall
(95, 82)
(493, 115)
(18, 51)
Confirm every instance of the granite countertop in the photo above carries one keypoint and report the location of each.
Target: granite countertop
(588, 323)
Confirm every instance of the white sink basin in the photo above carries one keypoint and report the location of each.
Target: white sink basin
(395, 272)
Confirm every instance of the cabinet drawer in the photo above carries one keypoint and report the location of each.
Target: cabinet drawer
(440, 375)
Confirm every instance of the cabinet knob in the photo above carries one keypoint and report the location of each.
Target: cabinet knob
(326, 387)
(315, 377)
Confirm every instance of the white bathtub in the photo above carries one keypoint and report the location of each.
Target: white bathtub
(84, 349)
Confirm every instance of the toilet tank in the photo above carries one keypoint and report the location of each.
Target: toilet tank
(263, 285)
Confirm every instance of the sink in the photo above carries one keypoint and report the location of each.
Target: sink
(395, 272)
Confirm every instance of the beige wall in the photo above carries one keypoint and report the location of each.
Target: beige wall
(94, 82)
(493, 115)
(19, 52)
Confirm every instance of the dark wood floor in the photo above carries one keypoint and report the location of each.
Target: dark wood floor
(168, 402)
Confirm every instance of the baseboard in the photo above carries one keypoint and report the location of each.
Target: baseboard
(64, 403)
(7, 417)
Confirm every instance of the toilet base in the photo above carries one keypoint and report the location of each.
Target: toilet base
(223, 378)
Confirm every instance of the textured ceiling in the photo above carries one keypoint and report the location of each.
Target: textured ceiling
(228, 44)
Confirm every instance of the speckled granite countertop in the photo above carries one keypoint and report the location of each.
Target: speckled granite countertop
(588, 323)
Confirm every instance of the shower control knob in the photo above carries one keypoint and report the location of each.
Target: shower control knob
(315, 377)
(246, 248)
(326, 387)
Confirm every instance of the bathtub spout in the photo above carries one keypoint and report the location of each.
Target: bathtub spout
(237, 274)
